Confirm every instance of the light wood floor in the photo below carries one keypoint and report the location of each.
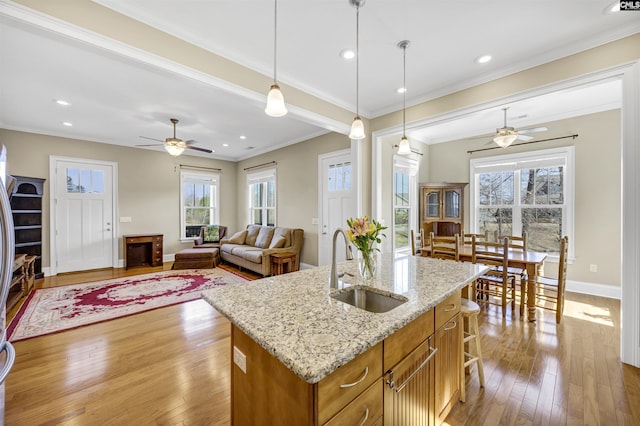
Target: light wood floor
(170, 366)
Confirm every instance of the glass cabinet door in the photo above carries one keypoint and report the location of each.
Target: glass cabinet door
(433, 204)
(451, 203)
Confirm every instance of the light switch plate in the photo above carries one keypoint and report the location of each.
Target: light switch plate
(314, 221)
(240, 359)
(125, 219)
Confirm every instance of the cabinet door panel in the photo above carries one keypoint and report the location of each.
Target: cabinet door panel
(448, 364)
(410, 402)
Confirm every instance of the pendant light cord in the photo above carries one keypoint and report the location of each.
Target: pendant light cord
(275, 43)
(404, 89)
(358, 61)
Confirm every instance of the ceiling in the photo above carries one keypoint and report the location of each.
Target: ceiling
(116, 98)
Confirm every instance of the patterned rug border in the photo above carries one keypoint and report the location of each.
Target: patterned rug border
(15, 321)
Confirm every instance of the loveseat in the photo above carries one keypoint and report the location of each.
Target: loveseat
(252, 247)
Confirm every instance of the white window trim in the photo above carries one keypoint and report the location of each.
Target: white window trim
(215, 179)
(257, 177)
(541, 158)
(411, 167)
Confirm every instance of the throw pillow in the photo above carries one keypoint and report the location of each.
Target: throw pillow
(277, 242)
(264, 237)
(238, 237)
(211, 234)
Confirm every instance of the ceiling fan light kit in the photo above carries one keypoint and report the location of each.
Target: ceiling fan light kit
(357, 127)
(275, 98)
(174, 148)
(506, 139)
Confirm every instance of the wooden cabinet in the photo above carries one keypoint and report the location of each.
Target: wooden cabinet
(448, 359)
(396, 382)
(442, 208)
(26, 207)
(142, 250)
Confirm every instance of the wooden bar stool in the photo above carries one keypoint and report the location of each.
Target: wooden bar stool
(470, 311)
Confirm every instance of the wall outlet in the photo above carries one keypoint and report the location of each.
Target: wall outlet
(593, 267)
(240, 359)
(125, 219)
(314, 221)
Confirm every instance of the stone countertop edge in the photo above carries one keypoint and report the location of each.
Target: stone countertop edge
(294, 318)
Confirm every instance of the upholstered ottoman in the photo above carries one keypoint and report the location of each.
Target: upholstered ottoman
(200, 258)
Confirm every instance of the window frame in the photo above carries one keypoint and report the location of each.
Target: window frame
(564, 156)
(263, 176)
(197, 177)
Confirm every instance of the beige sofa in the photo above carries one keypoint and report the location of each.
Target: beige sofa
(251, 248)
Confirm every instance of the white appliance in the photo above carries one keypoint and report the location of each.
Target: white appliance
(7, 353)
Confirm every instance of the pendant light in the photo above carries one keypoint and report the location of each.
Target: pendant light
(275, 99)
(405, 147)
(357, 127)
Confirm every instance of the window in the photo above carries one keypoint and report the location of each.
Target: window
(262, 197)
(404, 200)
(340, 177)
(199, 201)
(530, 192)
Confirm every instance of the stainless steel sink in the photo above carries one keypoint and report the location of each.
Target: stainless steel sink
(369, 300)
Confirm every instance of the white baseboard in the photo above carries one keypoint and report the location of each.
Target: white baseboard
(306, 266)
(602, 290)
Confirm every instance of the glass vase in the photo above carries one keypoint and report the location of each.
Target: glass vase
(366, 265)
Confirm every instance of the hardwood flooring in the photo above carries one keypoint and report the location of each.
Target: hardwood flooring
(170, 366)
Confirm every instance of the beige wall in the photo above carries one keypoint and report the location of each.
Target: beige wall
(297, 187)
(148, 183)
(597, 187)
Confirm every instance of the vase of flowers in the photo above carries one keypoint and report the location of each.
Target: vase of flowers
(364, 233)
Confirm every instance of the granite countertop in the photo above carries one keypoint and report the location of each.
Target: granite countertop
(295, 319)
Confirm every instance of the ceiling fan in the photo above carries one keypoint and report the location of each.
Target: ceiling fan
(175, 146)
(506, 135)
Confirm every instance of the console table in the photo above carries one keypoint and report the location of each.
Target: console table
(142, 250)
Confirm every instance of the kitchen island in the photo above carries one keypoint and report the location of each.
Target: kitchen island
(290, 338)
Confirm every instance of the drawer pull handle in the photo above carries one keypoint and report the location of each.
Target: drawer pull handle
(349, 385)
(366, 416)
(455, 324)
(392, 384)
(452, 308)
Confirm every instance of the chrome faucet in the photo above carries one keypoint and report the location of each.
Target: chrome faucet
(333, 282)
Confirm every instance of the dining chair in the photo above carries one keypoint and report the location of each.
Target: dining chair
(518, 243)
(551, 290)
(496, 286)
(445, 247)
(417, 242)
(467, 238)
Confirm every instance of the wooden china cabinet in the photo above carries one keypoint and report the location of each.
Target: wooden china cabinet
(442, 208)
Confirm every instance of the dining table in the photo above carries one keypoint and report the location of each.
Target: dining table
(530, 261)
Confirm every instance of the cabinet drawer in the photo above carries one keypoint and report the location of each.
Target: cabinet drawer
(366, 409)
(136, 240)
(343, 385)
(447, 309)
(405, 340)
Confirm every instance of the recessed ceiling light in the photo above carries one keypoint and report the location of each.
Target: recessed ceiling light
(66, 123)
(483, 59)
(243, 137)
(401, 90)
(347, 54)
(62, 102)
(225, 144)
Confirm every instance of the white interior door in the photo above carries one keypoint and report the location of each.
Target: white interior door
(83, 217)
(337, 201)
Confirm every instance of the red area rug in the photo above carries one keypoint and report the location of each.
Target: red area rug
(55, 309)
